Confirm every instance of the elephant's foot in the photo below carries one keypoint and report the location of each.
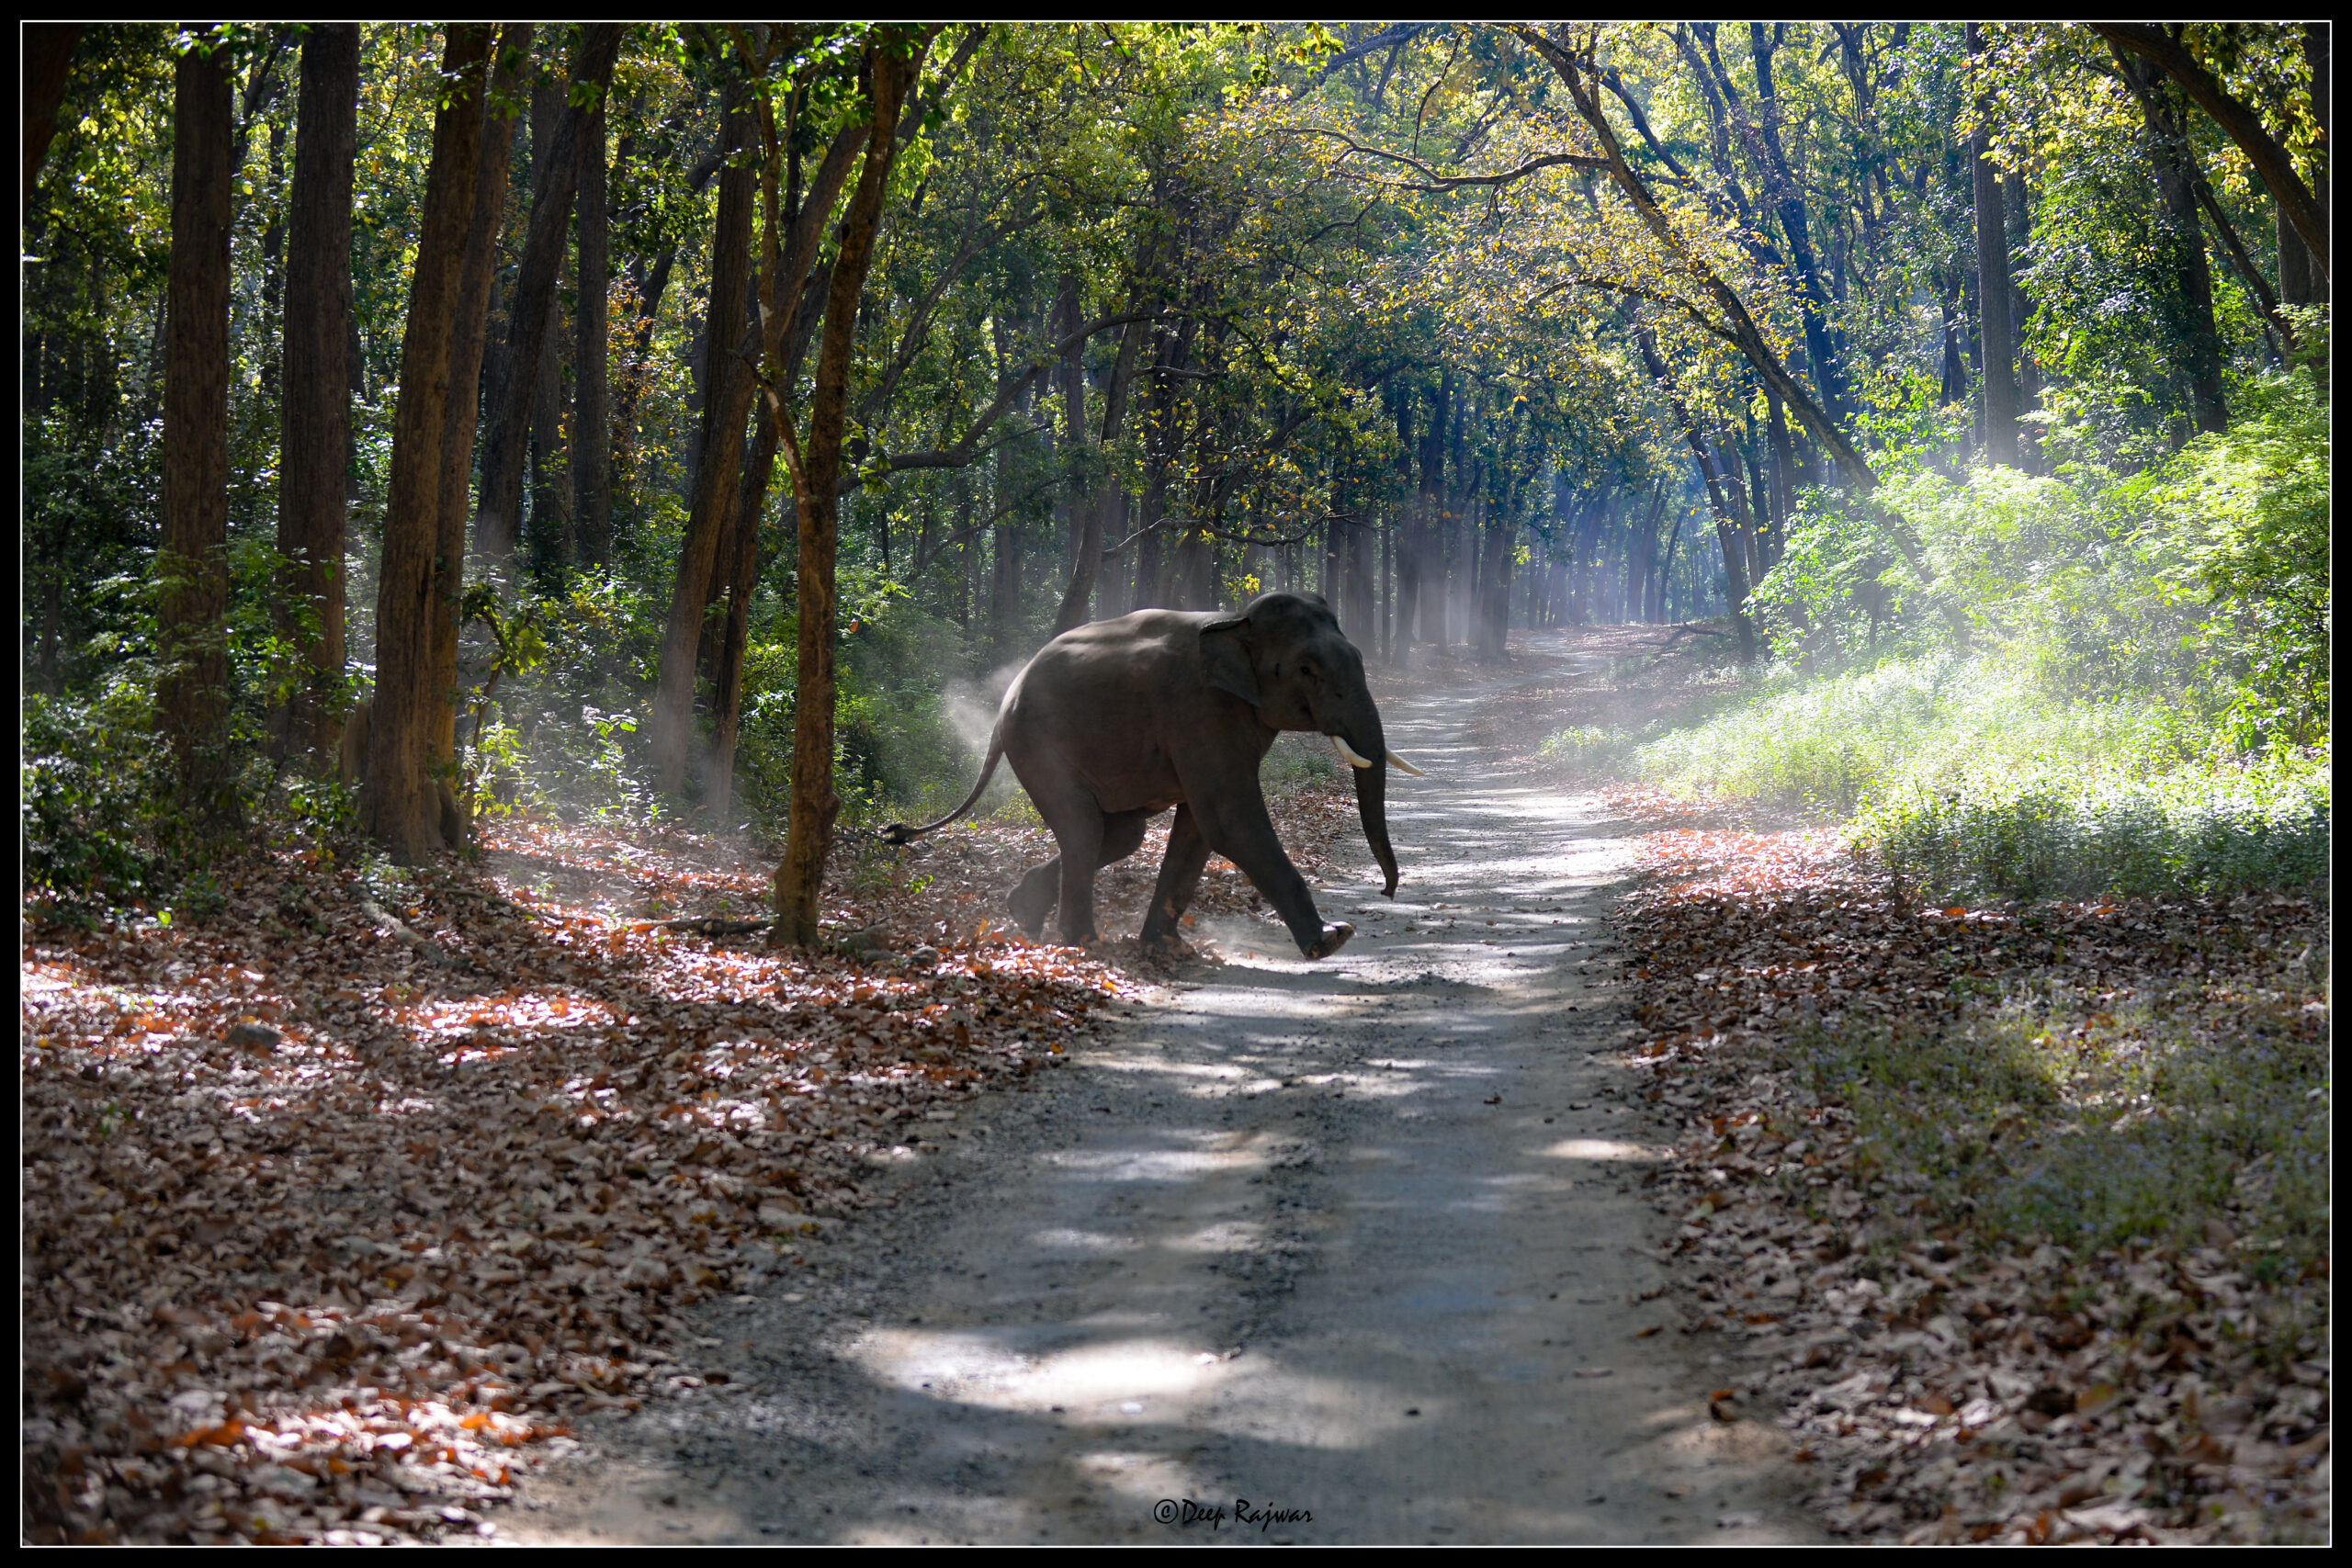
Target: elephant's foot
(1029, 910)
(1335, 937)
(1166, 944)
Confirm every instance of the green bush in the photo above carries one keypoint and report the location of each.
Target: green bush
(2244, 520)
(1584, 748)
(87, 815)
(2199, 830)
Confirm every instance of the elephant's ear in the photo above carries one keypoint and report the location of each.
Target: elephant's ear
(1225, 658)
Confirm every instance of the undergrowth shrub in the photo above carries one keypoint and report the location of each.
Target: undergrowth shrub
(2199, 830)
(87, 808)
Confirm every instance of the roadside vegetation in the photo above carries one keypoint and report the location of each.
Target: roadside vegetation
(1986, 950)
(2088, 684)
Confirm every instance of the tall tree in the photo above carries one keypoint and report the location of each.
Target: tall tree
(49, 57)
(314, 430)
(1821, 337)
(729, 385)
(399, 803)
(193, 564)
(477, 283)
(2183, 235)
(2000, 383)
(516, 387)
(789, 288)
(894, 62)
(1723, 492)
(592, 505)
(2305, 212)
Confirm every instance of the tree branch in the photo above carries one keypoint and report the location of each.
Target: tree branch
(1440, 183)
(1008, 393)
(2271, 160)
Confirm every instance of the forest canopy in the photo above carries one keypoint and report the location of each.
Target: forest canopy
(702, 422)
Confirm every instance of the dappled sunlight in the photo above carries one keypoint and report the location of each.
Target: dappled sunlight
(1602, 1150)
(1136, 1382)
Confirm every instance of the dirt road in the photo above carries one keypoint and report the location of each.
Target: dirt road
(1360, 1242)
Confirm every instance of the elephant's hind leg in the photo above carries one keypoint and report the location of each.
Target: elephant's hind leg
(1035, 899)
(1070, 810)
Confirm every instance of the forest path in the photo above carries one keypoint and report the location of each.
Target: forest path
(1360, 1239)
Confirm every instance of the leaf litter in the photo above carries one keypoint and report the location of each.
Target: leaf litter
(328, 1232)
(1953, 1373)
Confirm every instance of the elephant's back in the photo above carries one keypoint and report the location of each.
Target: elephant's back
(1153, 642)
(1117, 673)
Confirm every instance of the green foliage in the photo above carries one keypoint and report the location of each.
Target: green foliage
(551, 683)
(89, 783)
(2263, 823)
(1584, 748)
(2202, 581)
(1297, 758)
(1833, 742)
(2243, 518)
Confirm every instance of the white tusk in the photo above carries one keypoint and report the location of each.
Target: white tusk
(1402, 765)
(1355, 759)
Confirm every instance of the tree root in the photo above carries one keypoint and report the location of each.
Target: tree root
(425, 945)
(714, 927)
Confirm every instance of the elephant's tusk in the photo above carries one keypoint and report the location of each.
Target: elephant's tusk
(1402, 765)
(1355, 759)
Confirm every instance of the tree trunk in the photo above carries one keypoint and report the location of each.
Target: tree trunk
(1820, 337)
(1999, 384)
(1724, 495)
(742, 581)
(1103, 504)
(49, 58)
(2019, 212)
(1494, 586)
(530, 310)
(477, 283)
(718, 473)
(800, 876)
(2193, 278)
(399, 805)
(1357, 616)
(549, 524)
(314, 428)
(192, 697)
(591, 504)
(647, 289)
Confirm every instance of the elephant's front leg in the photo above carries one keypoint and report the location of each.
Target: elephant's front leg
(1180, 876)
(1242, 832)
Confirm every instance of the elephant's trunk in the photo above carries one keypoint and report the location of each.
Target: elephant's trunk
(1361, 730)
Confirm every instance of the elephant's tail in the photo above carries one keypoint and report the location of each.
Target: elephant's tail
(899, 833)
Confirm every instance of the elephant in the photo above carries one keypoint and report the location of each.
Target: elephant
(1114, 722)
